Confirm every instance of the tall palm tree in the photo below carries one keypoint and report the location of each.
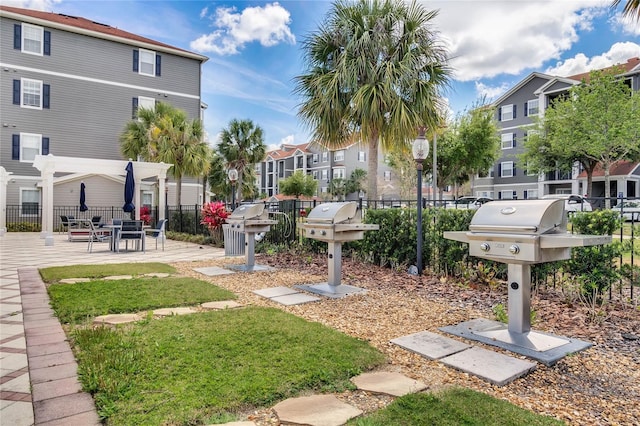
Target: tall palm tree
(376, 72)
(180, 142)
(242, 145)
(631, 8)
(139, 136)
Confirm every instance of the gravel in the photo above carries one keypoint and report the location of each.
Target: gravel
(598, 386)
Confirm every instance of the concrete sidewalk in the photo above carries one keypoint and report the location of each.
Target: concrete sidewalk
(24, 384)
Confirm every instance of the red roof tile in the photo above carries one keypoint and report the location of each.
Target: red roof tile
(626, 67)
(88, 25)
(619, 168)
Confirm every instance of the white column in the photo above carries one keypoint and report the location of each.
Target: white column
(4, 181)
(162, 187)
(47, 206)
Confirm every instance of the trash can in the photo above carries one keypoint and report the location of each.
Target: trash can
(233, 241)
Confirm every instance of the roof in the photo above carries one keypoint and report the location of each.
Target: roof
(619, 168)
(631, 65)
(521, 84)
(92, 28)
(286, 151)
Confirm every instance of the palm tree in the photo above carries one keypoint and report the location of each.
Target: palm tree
(376, 70)
(631, 9)
(180, 142)
(139, 136)
(242, 145)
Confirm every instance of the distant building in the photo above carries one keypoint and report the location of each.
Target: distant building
(509, 179)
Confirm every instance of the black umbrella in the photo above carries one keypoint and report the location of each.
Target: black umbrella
(129, 188)
(83, 199)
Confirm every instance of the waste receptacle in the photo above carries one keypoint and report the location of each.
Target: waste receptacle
(233, 241)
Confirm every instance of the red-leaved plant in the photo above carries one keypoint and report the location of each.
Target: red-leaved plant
(214, 215)
(145, 215)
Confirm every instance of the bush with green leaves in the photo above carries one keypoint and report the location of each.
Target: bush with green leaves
(24, 227)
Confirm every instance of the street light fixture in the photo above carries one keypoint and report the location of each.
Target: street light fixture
(233, 177)
(420, 152)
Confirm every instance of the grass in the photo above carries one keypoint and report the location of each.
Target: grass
(197, 368)
(452, 407)
(81, 301)
(58, 273)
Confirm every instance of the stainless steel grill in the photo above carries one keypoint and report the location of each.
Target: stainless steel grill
(250, 219)
(521, 233)
(335, 223)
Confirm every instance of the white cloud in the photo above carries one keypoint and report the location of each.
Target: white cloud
(489, 38)
(490, 92)
(43, 5)
(618, 54)
(204, 12)
(627, 25)
(268, 25)
(288, 140)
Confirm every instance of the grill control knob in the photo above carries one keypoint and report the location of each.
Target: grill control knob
(514, 249)
(312, 232)
(323, 232)
(485, 247)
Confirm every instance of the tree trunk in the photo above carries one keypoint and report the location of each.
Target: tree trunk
(238, 187)
(607, 186)
(372, 169)
(178, 191)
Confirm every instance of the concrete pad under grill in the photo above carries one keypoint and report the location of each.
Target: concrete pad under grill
(430, 345)
(390, 383)
(213, 271)
(331, 291)
(294, 299)
(496, 368)
(316, 410)
(254, 268)
(275, 292)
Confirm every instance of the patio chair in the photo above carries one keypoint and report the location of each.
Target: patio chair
(132, 230)
(64, 223)
(97, 235)
(96, 220)
(157, 233)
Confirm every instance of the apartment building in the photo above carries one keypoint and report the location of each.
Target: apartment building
(68, 86)
(509, 179)
(324, 165)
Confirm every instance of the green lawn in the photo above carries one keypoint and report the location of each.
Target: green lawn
(451, 408)
(58, 273)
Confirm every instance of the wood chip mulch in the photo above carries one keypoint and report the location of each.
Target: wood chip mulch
(598, 386)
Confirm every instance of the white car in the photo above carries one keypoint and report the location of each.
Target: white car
(630, 210)
(467, 203)
(572, 202)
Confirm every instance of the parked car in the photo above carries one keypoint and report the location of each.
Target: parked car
(468, 203)
(572, 202)
(630, 210)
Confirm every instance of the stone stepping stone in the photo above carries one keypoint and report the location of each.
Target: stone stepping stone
(212, 271)
(241, 423)
(394, 384)
(115, 319)
(496, 368)
(157, 275)
(316, 410)
(167, 312)
(118, 277)
(74, 280)
(225, 304)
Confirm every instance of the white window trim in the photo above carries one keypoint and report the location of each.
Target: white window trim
(22, 140)
(22, 93)
(502, 112)
(509, 141)
(387, 176)
(509, 192)
(325, 157)
(315, 158)
(339, 173)
(22, 39)
(150, 102)
(325, 174)
(502, 167)
(153, 63)
(30, 189)
(529, 113)
(362, 156)
(151, 193)
(338, 155)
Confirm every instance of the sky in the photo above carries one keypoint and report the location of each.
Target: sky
(254, 47)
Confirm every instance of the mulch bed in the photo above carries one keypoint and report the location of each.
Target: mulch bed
(600, 385)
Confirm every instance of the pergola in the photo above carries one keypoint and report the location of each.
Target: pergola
(48, 165)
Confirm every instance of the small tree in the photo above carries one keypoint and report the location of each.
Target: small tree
(298, 184)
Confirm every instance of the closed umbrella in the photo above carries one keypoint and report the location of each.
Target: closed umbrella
(83, 198)
(129, 188)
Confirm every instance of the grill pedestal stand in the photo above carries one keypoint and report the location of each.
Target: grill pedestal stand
(332, 288)
(249, 256)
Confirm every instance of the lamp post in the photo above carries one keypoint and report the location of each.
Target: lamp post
(233, 177)
(420, 151)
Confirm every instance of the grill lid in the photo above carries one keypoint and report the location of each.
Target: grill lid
(335, 213)
(520, 217)
(249, 211)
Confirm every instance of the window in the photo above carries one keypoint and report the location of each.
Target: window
(507, 113)
(324, 190)
(315, 174)
(146, 62)
(147, 199)
(29, 202)
(338, 155)
(325, 174)
(142, 102)
(362, 156)
(339, 173)
(325, 157)
(31, 39)
(508, 140)
(506, 169)
(530, 194)
(387, 175)
(508, 195)
(531, 107)
(25, 147)
(315, 158)
(30, 93)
